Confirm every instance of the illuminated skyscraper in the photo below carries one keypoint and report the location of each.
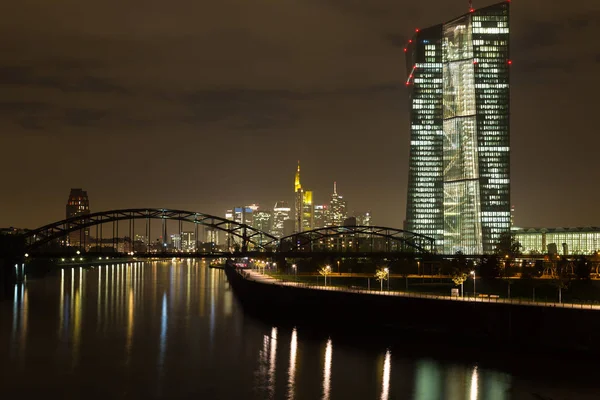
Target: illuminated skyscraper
(307, 210)
(337, 208)
(78, 204)
(321, 216)
(298, 199)
(459, 168)
(303, 205)
(281, 213)
(263, 220)
(364, 219)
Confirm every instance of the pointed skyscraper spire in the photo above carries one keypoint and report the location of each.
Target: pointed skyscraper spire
(297, 185)
(334, 187)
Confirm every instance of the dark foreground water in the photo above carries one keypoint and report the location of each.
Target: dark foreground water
(175, 330)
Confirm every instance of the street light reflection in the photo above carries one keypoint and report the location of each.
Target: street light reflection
(292, 369)
(387, 366)
(327, 371)
(474, 384)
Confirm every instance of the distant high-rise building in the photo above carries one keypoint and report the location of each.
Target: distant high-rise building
(263, 220)
(364, 219)
(320, 216)
(188, 241)
(298, 201)
(459, 168)
(307, 211)
(176, 241)
(211, 235)
(281, 213)
(303, 205)
(241, 215)
(337, 208)
(78, 205)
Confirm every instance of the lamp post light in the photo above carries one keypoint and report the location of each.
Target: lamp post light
(474, 288)
(387, 272)
(78, 252)
(295, 268)
(328, 268)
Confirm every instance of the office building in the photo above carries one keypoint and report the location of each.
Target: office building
(320, 216)
(459, 167)
(337, 208)
(175, 241)
(303, 205)
(281, 213)
(263, 220)
(188, 241)
(364, 219)
(568, 241)
(78, 204)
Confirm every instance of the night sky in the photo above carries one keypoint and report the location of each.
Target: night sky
(205, 105)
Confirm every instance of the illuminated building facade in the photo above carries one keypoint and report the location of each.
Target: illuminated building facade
(459, 168)
(77, 205)
(281, 213)
(337, 208)
(364, 219)
(188, 241)
(320, 216)
(176, 241)
(303, 205)
(263, 220)
(584, 241)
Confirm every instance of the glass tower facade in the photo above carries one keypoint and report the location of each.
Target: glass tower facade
(459, 173)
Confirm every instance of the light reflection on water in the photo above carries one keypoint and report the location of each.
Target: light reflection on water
(168, 329)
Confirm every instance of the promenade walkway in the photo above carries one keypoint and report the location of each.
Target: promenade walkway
(256, 276)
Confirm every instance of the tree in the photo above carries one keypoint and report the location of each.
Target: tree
(404, 267)
(326, 270)
(508, 245)
(382, 274)
(583, 268)
(562, 277)
(459, 279)
(507, 273)
(488, 267)
(460, 269)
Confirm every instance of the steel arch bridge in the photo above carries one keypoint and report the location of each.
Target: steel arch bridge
(248, 237)
(357, 239)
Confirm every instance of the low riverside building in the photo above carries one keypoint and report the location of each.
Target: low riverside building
(565, 241)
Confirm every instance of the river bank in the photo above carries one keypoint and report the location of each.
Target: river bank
(498, 324)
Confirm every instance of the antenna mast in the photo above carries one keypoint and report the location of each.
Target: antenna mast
(471, 5)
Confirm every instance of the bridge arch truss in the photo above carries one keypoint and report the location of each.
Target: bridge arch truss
(243, 236)
(357, 239)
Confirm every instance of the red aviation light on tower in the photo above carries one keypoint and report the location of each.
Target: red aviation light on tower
(417, 30)
(509, 62)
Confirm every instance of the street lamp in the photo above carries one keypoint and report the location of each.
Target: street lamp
(328, 270)
(295, 272)
(78, 252)
(387, 272)
(474, 277)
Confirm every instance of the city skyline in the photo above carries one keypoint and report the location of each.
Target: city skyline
(95, 105)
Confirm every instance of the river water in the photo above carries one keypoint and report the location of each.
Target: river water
(175, 330)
